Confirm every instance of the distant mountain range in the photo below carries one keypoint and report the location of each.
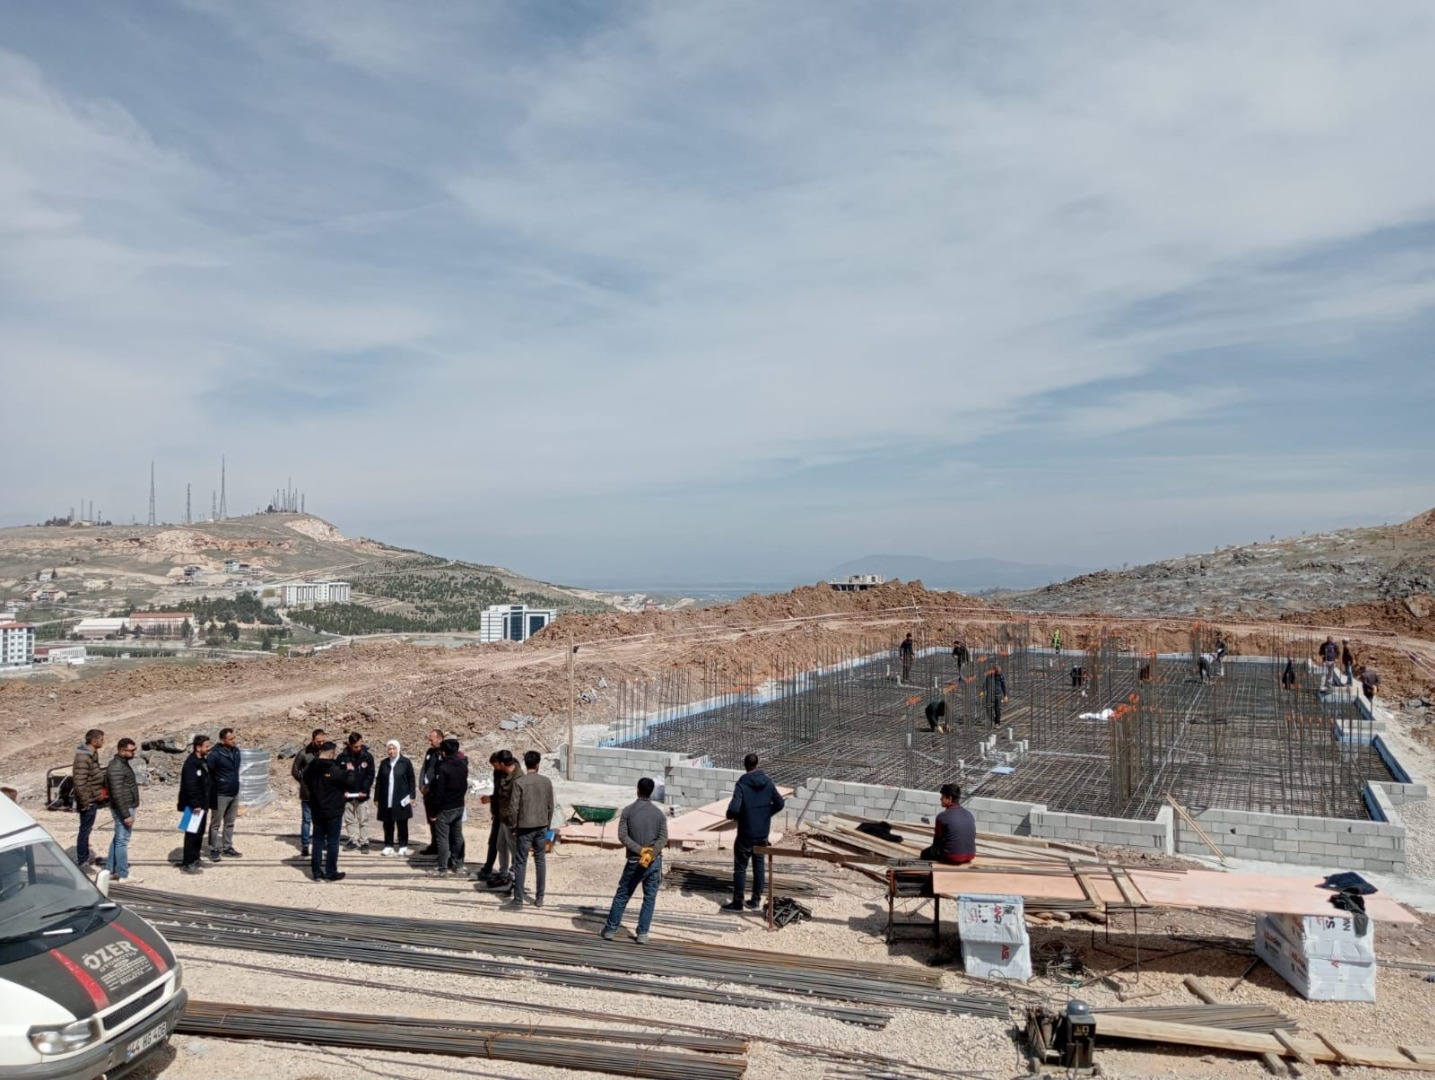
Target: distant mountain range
(959, 575)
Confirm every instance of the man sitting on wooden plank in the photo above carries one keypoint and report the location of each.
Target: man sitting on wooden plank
(955, 829)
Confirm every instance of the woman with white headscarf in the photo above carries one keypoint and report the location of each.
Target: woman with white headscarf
(394, 792)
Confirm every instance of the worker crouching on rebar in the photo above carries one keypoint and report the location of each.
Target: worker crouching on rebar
(955, 831)
(643, 832)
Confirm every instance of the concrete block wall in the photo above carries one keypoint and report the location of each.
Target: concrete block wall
(1332, 843)
(614, 765)
(1088, 829)
(819, 797)
(1003, 815)
(694, 785)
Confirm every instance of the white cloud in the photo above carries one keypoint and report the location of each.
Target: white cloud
(703, 249)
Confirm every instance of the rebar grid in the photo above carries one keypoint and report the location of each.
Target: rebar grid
(1242, 734)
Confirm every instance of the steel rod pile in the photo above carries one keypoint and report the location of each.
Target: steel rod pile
(883, 985)
(570, 1048)
(697, 877)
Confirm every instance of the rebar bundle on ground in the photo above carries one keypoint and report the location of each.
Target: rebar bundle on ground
(552, 953)
(560, 1047)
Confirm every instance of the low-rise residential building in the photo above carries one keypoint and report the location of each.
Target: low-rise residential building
(47, 594)
(312, 593)
(161, 623)
(512, 622)
(98, 629)
(17, 644)
(60, 654)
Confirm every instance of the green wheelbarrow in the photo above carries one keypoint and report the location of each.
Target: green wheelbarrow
(596, 815)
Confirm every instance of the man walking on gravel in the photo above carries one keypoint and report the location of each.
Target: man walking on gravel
(196, 791)
(224, 773)
(358, 763)
(530, 813)
(500, 843)
(755, 799)
(643, 832)
(301, 764)
(124, 800)
(87, 779)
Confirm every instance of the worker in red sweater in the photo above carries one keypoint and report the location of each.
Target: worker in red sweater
(955, 829)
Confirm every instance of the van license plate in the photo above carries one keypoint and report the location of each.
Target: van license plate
(145, 1041)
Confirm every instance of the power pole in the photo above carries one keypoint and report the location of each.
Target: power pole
(223, 500)
(151, 493)
(572, 748)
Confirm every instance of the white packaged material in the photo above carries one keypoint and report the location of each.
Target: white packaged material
(997, 959)
(1328, 937)
(1315, 978)
(991, 917)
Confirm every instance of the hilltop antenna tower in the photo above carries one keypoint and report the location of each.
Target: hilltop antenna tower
(223, 501)
(151, 493)
(213, 505)
(188, 515)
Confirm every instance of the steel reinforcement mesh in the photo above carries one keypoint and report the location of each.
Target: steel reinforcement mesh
(1106, 730)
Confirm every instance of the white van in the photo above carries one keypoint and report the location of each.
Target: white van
(87, 988)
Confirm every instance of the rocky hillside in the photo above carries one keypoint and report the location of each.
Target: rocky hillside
(1385, 573)
(94, 570)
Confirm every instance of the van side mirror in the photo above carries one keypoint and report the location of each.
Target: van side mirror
(102, 882)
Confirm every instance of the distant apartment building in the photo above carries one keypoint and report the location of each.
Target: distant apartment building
(99, 629)
(161, 623)
(512, 622)
(17, 644)
(60, 654)
(858, 582)
(313, 593)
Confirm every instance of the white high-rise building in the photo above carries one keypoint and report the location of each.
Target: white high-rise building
(17, 644)
(311, 593)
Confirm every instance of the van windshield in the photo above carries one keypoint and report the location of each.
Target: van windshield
(41, 889)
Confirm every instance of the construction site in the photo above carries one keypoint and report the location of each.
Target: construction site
(1157, 810)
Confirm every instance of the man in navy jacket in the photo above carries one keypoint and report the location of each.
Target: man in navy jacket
(754, 800)
(224, 802)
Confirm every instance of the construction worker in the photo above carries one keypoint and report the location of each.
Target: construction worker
(755, 799)
(907, 650)
(1370, 683)
(954, 832)
(1288, 675)
(1347, 661)
(1056, 640)
(994, 690)
(962, 654)
(643, 832)
(937, 715)
(1329, 654)
(87, 777)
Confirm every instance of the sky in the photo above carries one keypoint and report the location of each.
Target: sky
(723, 291)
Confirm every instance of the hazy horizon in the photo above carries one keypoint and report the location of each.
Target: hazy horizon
(723, 292)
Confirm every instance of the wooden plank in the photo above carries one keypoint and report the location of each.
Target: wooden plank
(1250, 1042)
(1197, 987)
(1118, 875)
(1257, 893)
(1339, 1054)
(1274, 1065)
(1292, 1047)
(1421, 1055)
(1189, 820)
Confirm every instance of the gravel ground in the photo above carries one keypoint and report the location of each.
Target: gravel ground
(848, 923)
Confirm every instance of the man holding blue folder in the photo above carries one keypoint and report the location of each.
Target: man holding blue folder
(195, 789)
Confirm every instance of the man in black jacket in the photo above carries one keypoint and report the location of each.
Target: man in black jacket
(195, 794)
(450, 785)
(124, 800)
(297, 770)
(755, 799)
(359, 764)
(994, 689)
(427, 771)
(224, 775)
(328, 784)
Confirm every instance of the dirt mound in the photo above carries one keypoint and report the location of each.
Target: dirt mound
(1414, 615)
(1421, 526)
(808, 601)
